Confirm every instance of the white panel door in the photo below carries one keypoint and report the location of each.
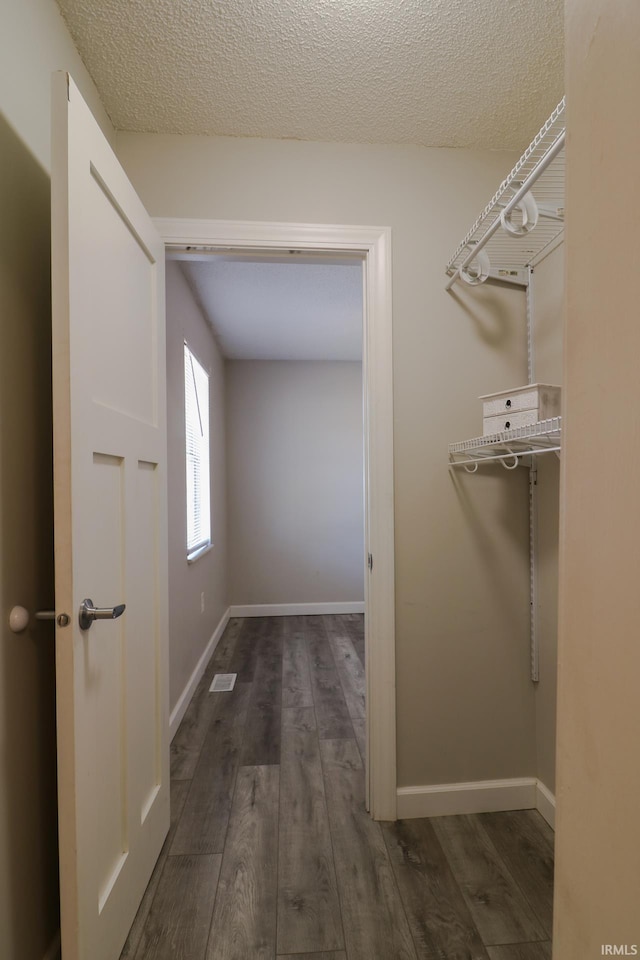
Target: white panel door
(110, 534)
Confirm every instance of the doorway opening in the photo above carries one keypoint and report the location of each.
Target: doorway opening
(369, 247)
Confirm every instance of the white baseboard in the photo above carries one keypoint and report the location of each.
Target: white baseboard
(546, 804)
(184, 699)
(483, 796)
(295, 609)
(53, 951)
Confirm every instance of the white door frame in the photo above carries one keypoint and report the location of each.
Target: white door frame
(374, 245)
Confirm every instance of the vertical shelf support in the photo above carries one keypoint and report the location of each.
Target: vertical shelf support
(531, 365)
(533, 502)
(533, 568)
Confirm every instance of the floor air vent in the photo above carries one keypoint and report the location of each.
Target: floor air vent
(223, 682)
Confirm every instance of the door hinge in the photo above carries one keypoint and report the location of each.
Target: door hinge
(370, 561)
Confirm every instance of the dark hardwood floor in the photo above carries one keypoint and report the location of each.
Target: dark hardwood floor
(271, 853)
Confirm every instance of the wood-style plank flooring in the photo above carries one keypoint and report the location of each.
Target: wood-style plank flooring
(271, 853)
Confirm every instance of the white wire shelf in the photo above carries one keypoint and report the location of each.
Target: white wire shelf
(540, 171)
(508, 446)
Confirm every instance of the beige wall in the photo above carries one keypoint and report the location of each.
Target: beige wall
(598, 839)
(465, 700)
(295, 472)
(189, 628)
(548, 307)
(33, 43)
(28, 820)
(548, 304)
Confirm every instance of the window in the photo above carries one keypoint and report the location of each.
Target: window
(196, 415)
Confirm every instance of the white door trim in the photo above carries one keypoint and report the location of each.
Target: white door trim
(374, 244)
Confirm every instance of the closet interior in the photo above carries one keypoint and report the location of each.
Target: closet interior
(518, 240)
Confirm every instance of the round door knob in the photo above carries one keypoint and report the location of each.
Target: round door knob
(18, 619)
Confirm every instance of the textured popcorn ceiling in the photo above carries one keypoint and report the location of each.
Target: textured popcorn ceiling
(462, 73)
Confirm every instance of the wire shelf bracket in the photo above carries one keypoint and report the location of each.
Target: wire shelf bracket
(507, 257)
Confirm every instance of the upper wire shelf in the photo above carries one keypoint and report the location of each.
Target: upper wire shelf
(489, 250)
(507, 447)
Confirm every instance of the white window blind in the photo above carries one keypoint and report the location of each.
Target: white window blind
(196, 409)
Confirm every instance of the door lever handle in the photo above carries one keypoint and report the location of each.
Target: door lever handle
(89, 613)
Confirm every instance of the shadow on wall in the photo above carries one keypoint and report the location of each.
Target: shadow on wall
(510, 512)
(28, 814)
(491, 319)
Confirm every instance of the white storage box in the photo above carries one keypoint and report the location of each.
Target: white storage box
(519, 407)
(508, 421)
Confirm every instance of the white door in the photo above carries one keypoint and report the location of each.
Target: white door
(110, 534)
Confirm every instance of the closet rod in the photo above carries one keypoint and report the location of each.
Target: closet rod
(524, 188)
